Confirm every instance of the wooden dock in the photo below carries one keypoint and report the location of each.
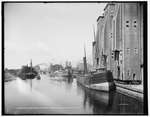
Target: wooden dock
(135, 91)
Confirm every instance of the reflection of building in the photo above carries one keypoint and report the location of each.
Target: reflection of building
(68, 69)
(118, 44)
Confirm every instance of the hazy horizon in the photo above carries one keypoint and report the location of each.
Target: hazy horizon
(49, 33)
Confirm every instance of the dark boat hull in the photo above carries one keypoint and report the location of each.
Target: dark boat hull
(98, 81)
(27, 76)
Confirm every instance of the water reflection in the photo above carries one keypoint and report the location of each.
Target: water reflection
(38, 77)
(100, 102)
(69, 80)
(126, 105)
(62, 95)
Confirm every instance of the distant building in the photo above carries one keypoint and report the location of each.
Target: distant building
(118, 44)
(56, 67)
(68, 65)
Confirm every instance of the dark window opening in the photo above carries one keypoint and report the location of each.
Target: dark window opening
(127, 21)
(117, 55)
(104, 59)
(97, 61)
(135, 50)
(112, 55)
(127, 25)
(133, 76)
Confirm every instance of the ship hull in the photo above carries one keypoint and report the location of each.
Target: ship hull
(98, 81)
(27, 76)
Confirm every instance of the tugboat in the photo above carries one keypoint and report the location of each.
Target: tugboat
(101, 79)
(28, 72)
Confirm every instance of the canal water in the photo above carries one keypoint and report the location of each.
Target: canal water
(58, 95)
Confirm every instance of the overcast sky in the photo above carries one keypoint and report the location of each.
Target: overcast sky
(52, 32)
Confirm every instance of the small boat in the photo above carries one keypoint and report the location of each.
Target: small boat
(101, 80)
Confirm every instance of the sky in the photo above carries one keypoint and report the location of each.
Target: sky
(49, 32)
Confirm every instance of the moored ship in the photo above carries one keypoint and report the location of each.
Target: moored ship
(101, 79)
(28, 72)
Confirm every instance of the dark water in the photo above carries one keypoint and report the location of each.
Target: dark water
(64, 96)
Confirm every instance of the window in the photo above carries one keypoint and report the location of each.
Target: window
(112, 54)
(97, 61)
(127, 23)
(110, 35)
(128, 50)
(134, 24)
(136, 51)
(134, 76)
(116, 55)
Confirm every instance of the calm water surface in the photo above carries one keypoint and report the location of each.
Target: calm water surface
(64, 96)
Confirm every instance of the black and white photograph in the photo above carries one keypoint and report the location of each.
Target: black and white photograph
(74, 58)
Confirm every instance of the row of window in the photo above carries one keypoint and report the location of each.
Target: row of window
(134, 23)
(115, 55)
(135, 50)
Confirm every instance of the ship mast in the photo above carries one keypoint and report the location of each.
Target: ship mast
(31, 63)
(84, 52)
(85, 62)
(94, 49)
